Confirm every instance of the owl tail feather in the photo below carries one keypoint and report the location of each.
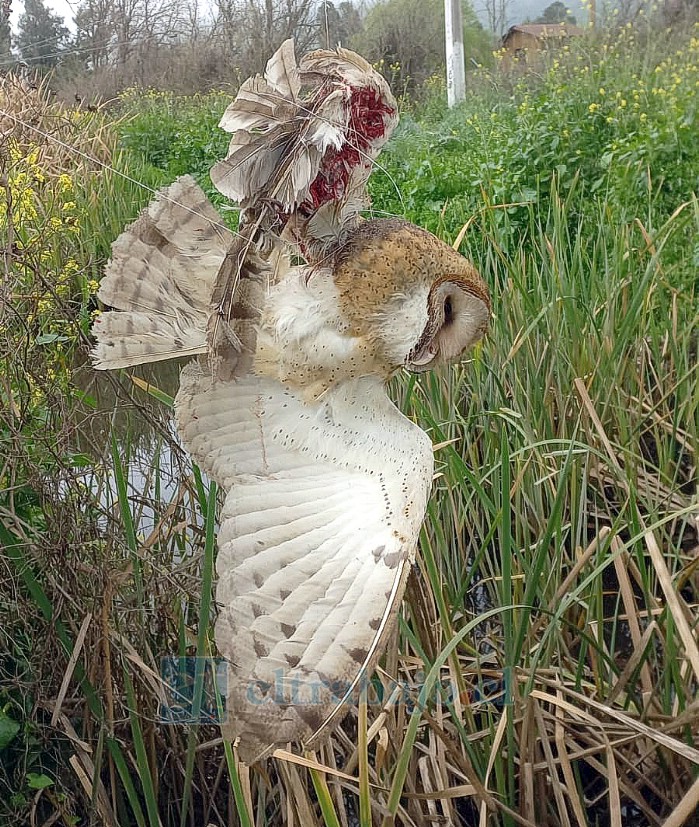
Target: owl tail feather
(160, 280)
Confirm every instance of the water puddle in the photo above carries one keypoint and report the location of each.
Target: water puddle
(117, 414)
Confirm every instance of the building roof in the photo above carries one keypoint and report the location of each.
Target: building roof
(546, 30)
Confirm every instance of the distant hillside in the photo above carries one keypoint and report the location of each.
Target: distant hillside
(518, 11)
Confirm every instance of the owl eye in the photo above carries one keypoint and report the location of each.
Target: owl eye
(448, 311)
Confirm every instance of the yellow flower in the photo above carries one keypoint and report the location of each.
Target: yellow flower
(63, 289)
(15, 152)
(593, 107)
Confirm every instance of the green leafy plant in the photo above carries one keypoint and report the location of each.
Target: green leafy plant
(545, 668)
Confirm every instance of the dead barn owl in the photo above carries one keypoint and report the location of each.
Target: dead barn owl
(285, 404)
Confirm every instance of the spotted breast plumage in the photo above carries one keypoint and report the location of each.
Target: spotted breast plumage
(285, 402)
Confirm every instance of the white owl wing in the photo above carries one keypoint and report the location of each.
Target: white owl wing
(304, 140)
(320, 524)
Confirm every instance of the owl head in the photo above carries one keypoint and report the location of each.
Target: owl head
(420, 302)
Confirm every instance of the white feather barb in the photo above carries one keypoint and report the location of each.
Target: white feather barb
(282, 72)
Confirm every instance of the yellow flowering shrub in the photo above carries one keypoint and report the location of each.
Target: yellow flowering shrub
(615, 117)
(41, 221)
(45, 294)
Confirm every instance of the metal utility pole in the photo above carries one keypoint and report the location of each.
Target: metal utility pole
(456, 75)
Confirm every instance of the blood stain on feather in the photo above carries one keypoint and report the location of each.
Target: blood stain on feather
(367, 124)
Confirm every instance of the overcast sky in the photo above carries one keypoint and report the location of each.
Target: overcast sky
(62, 7)
(518, 9)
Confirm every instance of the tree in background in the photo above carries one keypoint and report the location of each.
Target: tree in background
(497, 13)
(5, 35)
(188, 45)
(42, 35)
(95, 32)
(162, 43)
(408, 36)
(556, 12)
(195, 45)
(337, 24)
(254, 29)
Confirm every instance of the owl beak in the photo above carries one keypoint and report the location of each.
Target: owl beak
(424, 357)
(460, 314)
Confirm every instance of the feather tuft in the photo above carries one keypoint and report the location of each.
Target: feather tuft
(282, 72)
(305, 136)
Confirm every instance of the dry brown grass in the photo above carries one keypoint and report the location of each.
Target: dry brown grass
(551, 624)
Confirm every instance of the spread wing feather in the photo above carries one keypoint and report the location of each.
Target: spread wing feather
(314, 544)
(181, 284)
(159, 280)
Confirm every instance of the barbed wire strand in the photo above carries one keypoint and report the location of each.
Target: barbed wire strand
(66, 52)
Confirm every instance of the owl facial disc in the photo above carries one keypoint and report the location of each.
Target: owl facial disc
(458, 315)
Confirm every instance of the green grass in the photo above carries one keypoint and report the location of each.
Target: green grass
(548, 634)
(612, 120)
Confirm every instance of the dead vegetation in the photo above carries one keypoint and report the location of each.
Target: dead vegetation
(546, 667)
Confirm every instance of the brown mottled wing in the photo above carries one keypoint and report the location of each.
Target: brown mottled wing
(317, 533)
(237, 301)
(160, 279)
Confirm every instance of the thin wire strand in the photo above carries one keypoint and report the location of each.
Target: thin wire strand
(39, 58)
(218, 225)
(44, 41)
(74, 50)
